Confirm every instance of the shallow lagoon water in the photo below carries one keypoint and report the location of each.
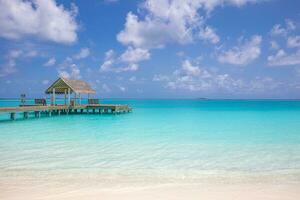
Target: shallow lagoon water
(161, 141)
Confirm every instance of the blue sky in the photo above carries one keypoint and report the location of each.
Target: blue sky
(152, 48)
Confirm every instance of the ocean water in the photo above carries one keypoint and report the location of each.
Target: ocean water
(161, 141)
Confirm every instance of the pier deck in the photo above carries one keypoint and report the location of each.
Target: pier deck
(50, 110)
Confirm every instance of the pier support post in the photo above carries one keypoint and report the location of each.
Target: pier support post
(37, 114)
(53, 97)
(13, 116)
(25, 115)
(69, 96)
(65, 97)
(93, 111)
(49, 113)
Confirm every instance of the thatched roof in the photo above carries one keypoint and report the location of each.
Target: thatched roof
(62, 84)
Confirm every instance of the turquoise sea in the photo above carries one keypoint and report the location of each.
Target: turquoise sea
(161, 141)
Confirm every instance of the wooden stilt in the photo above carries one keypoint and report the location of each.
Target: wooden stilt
(25, 115)
(13, 116)
(37, 114)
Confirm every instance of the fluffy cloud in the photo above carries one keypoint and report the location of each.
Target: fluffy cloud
(68, 69)
(209, 34)
(194, 78)
(279, 30)
(293, 41)
(50, 62)
(38, 18)
(171, 21)
(71, 71)
(281, 58)
(244, 53)
(189, 68)
(83, 53)
(128, 61)
(122, 88)
(274, 45)
(132, 55)
(10, 66)
(286, 57)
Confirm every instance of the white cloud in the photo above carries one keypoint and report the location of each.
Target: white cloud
(293, 41)
(128, 61)
(279, 30)
(160, 77)
(153, 33)
(210, 35)
(192, 77)
(123, 89)
(209, 80)
(38, 18)
(70, 72)
(68, 69)
(262, 84)
(290, 24)
(274, 45)
(10, 66)
(284, 59)
(242, 54)
(109, 61)
(83, 53)
(171, 21)
(132, 55)
(50, 62)
(190, 69)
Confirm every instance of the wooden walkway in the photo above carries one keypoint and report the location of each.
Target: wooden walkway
(65, 109)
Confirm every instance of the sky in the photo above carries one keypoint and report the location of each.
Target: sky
(152, 48)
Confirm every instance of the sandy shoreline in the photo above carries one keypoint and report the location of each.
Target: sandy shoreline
(191, 192)
(14, 188)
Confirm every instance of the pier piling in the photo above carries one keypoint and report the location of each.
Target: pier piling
(13, 116)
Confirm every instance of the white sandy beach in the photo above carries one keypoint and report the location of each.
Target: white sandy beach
(191, 192)
(264, 188)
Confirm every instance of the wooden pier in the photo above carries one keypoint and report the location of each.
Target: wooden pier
(66, 87)
(38, 111)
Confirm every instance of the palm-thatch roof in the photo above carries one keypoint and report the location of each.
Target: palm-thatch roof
(62, 85)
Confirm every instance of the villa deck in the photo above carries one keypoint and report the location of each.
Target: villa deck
(65, 109)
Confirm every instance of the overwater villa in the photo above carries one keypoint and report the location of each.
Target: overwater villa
(66, 87)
